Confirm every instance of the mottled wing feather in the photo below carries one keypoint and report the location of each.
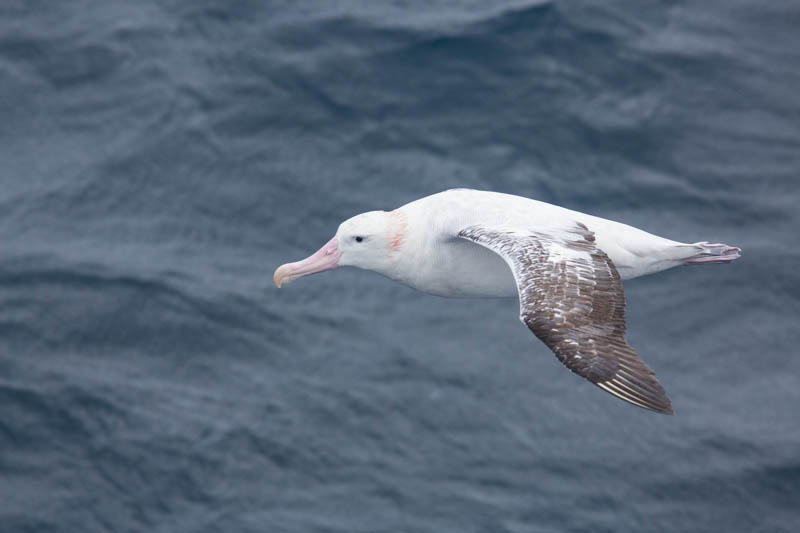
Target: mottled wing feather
(572, 299)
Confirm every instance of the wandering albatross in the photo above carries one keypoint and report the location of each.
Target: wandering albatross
(566, 267)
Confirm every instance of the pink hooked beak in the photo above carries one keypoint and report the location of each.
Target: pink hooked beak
(326, 258)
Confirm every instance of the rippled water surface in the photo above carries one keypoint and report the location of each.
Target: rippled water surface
(158, 160)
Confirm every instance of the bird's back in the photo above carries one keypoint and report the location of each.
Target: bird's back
(458, 264)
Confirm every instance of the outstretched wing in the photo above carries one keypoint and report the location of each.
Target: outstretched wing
(571, 298)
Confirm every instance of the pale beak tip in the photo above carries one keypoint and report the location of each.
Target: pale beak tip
(280, 275)
(326, 258)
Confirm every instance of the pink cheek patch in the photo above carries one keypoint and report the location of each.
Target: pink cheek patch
(396, 232)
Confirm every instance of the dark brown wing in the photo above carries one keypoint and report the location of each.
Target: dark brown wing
(571, 298)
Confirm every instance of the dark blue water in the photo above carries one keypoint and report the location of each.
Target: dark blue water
(158, 160)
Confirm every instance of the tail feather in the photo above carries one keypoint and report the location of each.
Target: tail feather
(712, 253)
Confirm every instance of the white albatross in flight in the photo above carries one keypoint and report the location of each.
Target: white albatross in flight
(565, 266)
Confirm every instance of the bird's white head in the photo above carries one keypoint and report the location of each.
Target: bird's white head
(369, 241)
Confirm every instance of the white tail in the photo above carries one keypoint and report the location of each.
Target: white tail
(712, 253)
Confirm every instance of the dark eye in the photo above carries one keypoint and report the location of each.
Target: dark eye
(359, 238)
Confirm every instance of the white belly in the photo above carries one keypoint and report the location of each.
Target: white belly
(467, 270)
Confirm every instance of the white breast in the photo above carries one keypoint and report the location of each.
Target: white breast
(466, 270)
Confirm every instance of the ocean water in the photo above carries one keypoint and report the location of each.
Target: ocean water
(159, 159)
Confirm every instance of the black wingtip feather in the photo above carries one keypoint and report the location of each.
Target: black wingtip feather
(657, 402)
